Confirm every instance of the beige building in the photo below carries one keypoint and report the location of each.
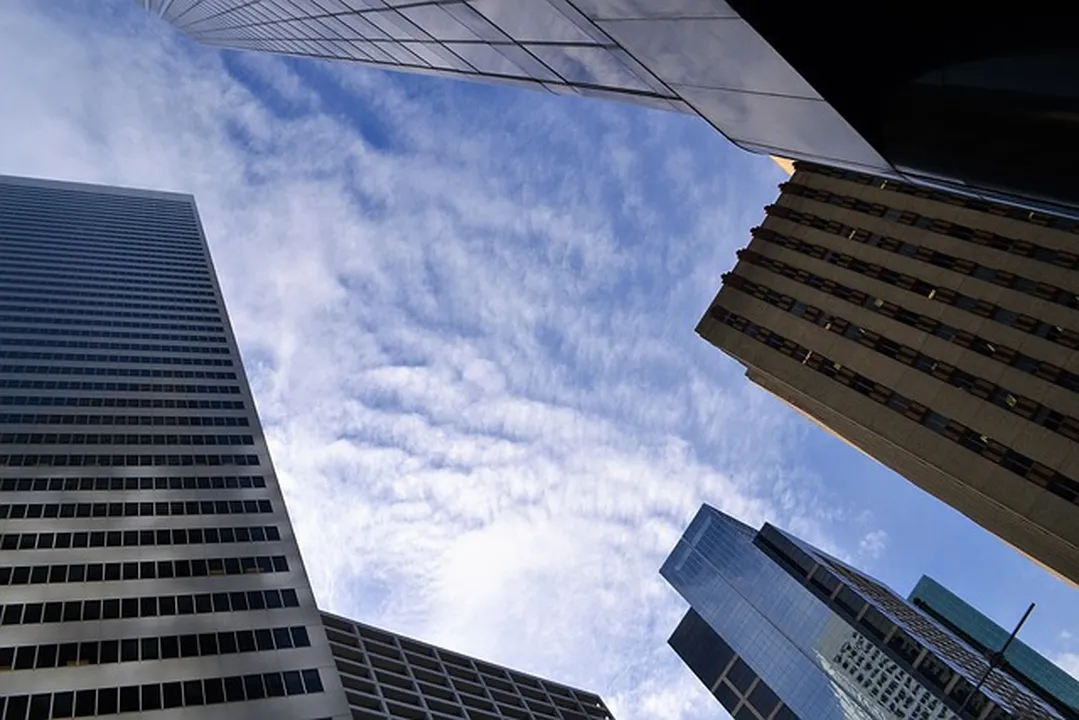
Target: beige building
(934, 332)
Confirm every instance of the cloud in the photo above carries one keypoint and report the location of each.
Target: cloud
(872, 545)
(467, 316)
(1069, 663)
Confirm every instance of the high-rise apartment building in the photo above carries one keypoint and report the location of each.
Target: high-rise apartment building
(1019, 660)
(777, 78)
(147, 564)
(935, 332)
(778, 630)
(388, 676)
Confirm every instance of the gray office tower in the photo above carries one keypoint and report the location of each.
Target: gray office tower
(147, 563)
(779, 630)
(775, 77)
(389, 677)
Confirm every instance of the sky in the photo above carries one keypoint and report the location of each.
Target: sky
(468, 314)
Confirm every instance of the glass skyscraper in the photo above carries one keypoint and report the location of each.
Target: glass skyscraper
(779, 630)
(146, 558)
(784, 79)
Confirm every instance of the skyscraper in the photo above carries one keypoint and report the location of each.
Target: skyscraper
(935, 332)
(779, 630)
(777, 78)
(146, 558)
(388, 676)
(1020, 660)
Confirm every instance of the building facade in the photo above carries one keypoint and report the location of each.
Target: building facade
(1020, 660)
(775, 78)
(388, 676)
(935, 332)
(147, 563)
(778, 630)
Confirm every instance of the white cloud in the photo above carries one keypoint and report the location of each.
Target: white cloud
(1069, 663)
(872, 546)
(472, 349)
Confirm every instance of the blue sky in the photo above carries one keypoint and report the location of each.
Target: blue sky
(468, 313)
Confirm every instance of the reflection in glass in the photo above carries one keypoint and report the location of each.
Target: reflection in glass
(773, 600)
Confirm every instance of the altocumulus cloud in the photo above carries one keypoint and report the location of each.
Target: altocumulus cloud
(468, 318)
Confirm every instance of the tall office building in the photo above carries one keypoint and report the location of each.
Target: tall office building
(1019, 660)
(778, 630)
(147, 564)
(778, 78)
(935, 332)
(388, 676)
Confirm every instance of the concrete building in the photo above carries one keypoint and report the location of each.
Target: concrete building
(778, 630)
(776, 78)
(147, 563)
(388, 676)
(936, 333)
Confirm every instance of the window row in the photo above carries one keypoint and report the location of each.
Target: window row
(1060, 485)
(118, 386)
(42, 205)
(138, 347)
(165, 229)
(143, 570)
(116, 240)
(167, 647)
(162, 403)
(116, 237)
(922, 253)
(981, 308)
(30, 511)
(1014, 212)
(979, 387)
(46, 208)
(983, 238)
(138, 538)
(158, 696)
(73, 460)
(61, 253)
(123, 280)
(94, 271)
(125, 420)
(34, 289)
(82, 310)
(36, 330)
(213, 482)
(148, 606)
(152, 291)
(85, 247)
(43, 263)
(121, 439)
(1000, 353)
(118, 372)
(135, 359)
(40, 319)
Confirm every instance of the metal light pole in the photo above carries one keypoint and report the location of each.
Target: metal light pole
(996, 658)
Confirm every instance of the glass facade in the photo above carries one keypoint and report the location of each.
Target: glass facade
(695, 56)
(775, 78)
(147, 563)
(826, 640)
(1020, 660)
